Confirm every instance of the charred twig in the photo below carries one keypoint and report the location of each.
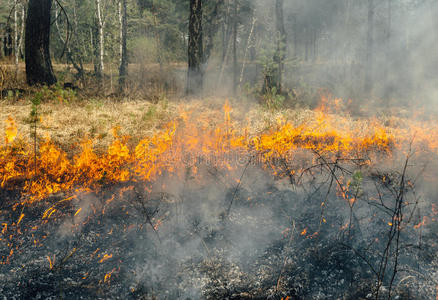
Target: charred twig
(324, 203)
(396, 226)
(67, 39)
(145, 213)
(227, 213)
(285, 257)
(358, 254)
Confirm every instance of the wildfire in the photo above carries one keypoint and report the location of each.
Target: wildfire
(182, 144)
(77, 212)
(186, 149)
(105, 258)
(11, 130)
(20, 218)
(107, 276)
(51, 263)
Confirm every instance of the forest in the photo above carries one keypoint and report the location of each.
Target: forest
(219, 149)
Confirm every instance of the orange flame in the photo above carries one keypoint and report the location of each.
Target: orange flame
(11, 130)
(108, 275)
(184, 142)
(20, 218)
(105, 258)
(51, 263)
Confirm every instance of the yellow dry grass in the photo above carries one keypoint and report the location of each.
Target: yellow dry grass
(68, 124)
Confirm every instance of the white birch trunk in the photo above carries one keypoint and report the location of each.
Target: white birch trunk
(101, 25)
(23, 24)
(16, 49)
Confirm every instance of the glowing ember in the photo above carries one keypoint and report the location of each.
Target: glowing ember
(105, 258)
(50, 262)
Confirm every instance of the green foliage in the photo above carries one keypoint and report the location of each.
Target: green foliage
(143, 50)
(273, 100)
(150, 114)
(355, 185)
(56, 94)
(266, 60)
(35, 101)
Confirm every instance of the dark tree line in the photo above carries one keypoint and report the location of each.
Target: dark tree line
(256, 42)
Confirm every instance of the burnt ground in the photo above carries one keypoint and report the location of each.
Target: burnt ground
(177, 241)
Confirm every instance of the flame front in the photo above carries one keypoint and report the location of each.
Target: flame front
(187, 140)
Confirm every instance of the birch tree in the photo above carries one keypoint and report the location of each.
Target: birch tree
(19, 15)
(100, 28)
(123, 69)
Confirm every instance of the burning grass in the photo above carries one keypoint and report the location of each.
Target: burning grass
(227, 187)
(190, 134)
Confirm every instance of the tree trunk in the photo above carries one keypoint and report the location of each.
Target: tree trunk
(370, 48)
(280, 53)
(70, 59)
(295, 25)
(7, 42)
(195, 49)
(123, 69)
(226, 31)
(386, 72)
(315, 46)
(16, 50)
(210, 30)
(37, 53)
(100, 26)
(235, 67)
(23, 23)
(306, 43)
(248, 46)
(94, 45)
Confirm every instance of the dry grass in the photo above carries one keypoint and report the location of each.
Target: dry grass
(69, 123)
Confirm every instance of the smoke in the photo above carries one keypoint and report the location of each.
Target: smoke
(327, 50)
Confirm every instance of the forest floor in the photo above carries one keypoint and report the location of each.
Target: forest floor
(302, 227)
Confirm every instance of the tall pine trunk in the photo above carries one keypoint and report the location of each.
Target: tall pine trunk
(123, 69)
(37, 53)
(273, 76)
(211, 27)
(281, 44)
(195, 49)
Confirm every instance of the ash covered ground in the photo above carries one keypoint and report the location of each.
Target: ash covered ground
(210, 236)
